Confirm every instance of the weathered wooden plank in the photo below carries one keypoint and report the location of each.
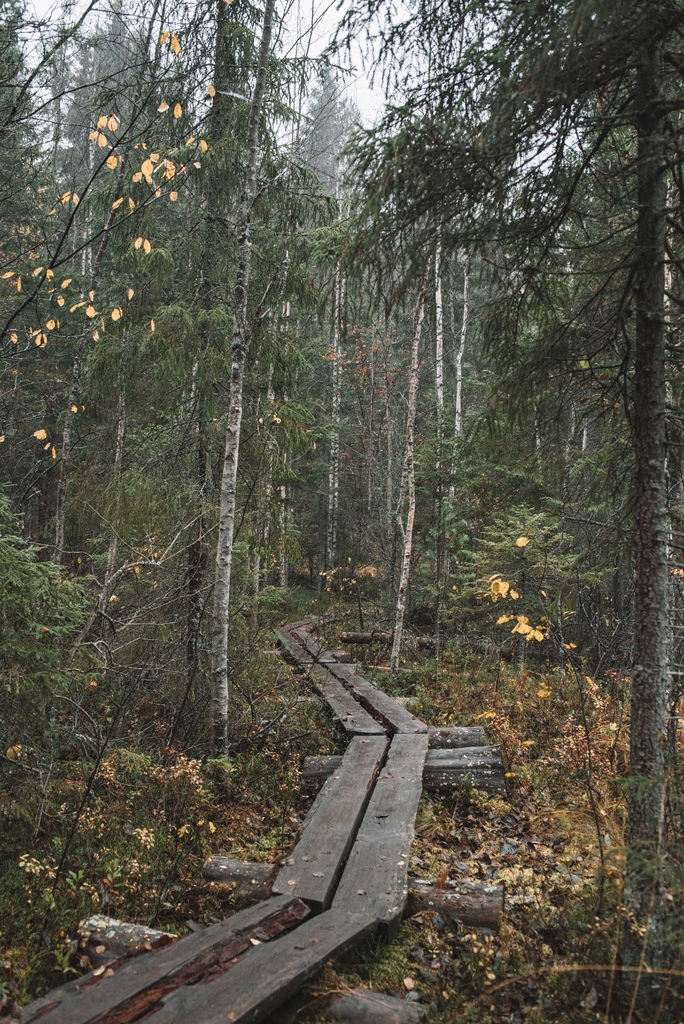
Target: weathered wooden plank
(375, 880)
(457, 736)
(392, 715)
(268, 975)
(353, 718)
(481, 767)
(125, 993)
(474, 904)
(443, 770)
(294, 649)
(314, 868)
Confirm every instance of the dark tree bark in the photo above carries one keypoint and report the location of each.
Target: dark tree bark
(646, 794)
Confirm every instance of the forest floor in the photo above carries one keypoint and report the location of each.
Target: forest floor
(556, 842)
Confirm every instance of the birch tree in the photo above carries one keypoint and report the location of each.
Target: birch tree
(221, 692)
(408, 486)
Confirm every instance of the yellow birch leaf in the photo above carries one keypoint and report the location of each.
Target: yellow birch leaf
(527, 743)
(129, 294)
(177, 110)
(113, 123)
(136, 177)
(37, 271)
(131, 204)
(163, 107)
(14, 337)
(76, 306)
(111, 162)
(66, 282)
(40, 435)
(50, 274)
(91, 312)
(66, 197)
(175, 45)
(74, 199)
(522, 542)
(147, 167)
(152, 327)
(538, 635)
(102, 121)
(211, 91)
(203, 145)
(514, 595)
(18, 284)
(50, 325)
(190, 140)
(116, 314)
(73, 408)
(117, 203)
(196, 164)
(504, 618)
(138, 242)
(46, 446)
(154, 157)
(102, 140)
(91, 296)
(173, 196)
(146, 246)
(163, 37)
(60, 300)
(93, 135)
(96, 335)
(41, 340)
(54, 452)
(8, 273)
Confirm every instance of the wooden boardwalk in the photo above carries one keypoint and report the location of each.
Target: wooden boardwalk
(345, 879)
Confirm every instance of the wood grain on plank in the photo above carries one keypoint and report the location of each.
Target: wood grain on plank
(375, 880)
(294, 649)
(353, 718)
(392, 715)
(140, 984)
(268, 975)
(314, 868)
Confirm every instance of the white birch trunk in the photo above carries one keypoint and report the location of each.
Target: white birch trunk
(221, 694)
(458, 358)
(334, 469)
(410, 477)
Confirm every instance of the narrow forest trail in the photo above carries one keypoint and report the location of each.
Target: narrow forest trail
(346, 878)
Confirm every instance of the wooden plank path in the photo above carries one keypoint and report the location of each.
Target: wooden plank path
(345, 879)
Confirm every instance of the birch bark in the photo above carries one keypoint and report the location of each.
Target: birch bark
(334, 470)
(410, 477)
(221, 693)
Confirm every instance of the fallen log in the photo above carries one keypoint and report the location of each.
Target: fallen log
(473, 904)
(104, 939)
(384, 637)
(361, 1006)
(247, 876)
(444, 770)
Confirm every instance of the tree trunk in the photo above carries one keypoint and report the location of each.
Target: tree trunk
(440, 539)
(228, 499)
(410, 472)
(646, 794)
(458, 355)
(334, 469)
